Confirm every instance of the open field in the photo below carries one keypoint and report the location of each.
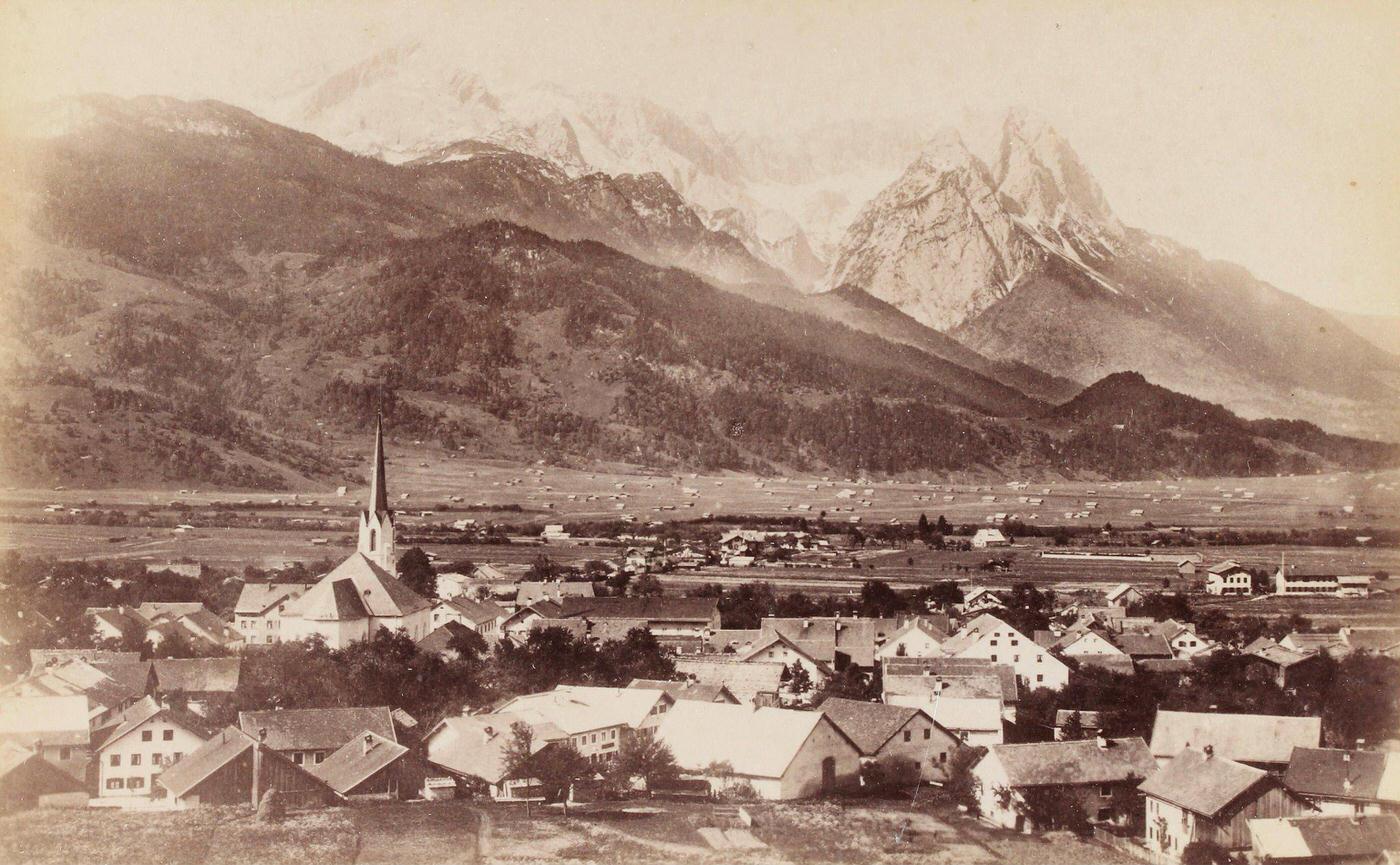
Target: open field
(421, 479)
(868, 831)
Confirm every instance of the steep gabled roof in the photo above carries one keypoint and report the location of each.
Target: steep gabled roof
(316, 729)
(744, 680)
(257, 598)
(199, 675)
(1119, 591)
(474, 745)
(1325, 838)
(869, 725)
(356, 588)
(220, 750)
(1247, 738)
(1044, 764)
(756, 742)
(357, 760)
(777, 639)
(1206, 785)
(148, 709)
(956, 668)
(1335, 773)
(439, 639)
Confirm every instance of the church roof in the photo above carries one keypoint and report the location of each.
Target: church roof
(378, 491)
(355, 589)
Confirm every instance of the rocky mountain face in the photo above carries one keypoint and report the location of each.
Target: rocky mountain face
(203, 296)
(1025, 261)
(787, 200)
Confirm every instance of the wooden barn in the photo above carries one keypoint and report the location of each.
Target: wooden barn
(234, 768)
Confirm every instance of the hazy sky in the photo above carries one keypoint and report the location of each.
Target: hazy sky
(1260, 132)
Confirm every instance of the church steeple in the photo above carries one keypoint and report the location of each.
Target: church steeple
(377, 521)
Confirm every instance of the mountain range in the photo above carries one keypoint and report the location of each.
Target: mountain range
(206, 295)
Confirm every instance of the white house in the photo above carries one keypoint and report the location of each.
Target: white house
(1101, 774)
(778, 649)
(985, 538)
(980, 600)
(918, 639)
(1338, 781)
(781, 753)
(1229, 578)
(1124, 595)
(258, 613)
(595, 720)
(149, 738)
(989, 637)
(904, 741)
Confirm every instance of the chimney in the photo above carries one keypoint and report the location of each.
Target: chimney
(367, 743)
(488, 733)
(1209, 751)
(1346, 756)
(1102, 741)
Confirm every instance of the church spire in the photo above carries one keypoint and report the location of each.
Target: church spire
(378, 492)
(376, 520)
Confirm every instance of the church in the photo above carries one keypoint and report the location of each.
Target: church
(361, 594)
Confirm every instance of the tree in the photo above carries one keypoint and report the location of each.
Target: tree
(1205, 853)
(543, 568)
(644, 756)
(646, 586)
(924, 528)
(878, 600)
(416, 572)
(800, 682)
(556, 766)
(1074, 728)
(943, 527)
(962, 786)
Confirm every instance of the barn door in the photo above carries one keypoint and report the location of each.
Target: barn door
(828, 774)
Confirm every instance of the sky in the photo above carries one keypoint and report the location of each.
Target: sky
(1258, 132)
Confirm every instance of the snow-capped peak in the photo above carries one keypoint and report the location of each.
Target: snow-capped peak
(1037, 169)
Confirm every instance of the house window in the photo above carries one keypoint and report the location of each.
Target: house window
(994, 657)
(155, 759)
(114, 760)
(167, 735)
(1104, 815)
(1105, 790)
(1040, 677)
(927, 733)
(135, 783)
(907, 735)
(175, 758)
(320, 756)
(136, 759)
(65, 753)
(1015, 659)
(298, 758)
(994, 642)
(114, 783)
(145, 735)
(942, 757)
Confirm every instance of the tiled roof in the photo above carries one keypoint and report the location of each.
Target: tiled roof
(953, 668)
(757, 742)
(615, 629)
(1225, 567)
(1112, 663)
(743, 679)
(577, 628)
(579, 708)
(316, 729)
(976, 714)
(528, 592)
(476, 612)
(199, 675)
(1204, 784)
(439, 639)
(1334, 773)
(705, 693)
(775, 639)
(357, 760)
(148, 708)
(1329, 838)
(1083, 761)
(666, 609)
(1279, 656)
(869, 725)
(962, 687)
(474, 745)
(257, 598)
(39, 658)
(1248, 738)
(1143, 645)
(222, 748)
(355, 588)
(53, 720)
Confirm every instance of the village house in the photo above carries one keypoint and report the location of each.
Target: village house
(705, 693)
(258, 613)
(780, 753)
(970, 707)
(984, 538)
(959, 677)
(673, 621)
(517, 626)
(55, 728)
(1229, 578)
(917, 639)
(778, 649)
(1124, 595)
(150, 738)
(980, 600)
(1100, 774)
(1293, 582)
(309, 736)
(1338, 781)
(233, 768)
(595, 720)
(370, 766)
(471, 749)
(108, 688)
(484, 617)
(1185, 643)
(1200, 795)
(27, 780)
(1325, 840)
(443, 639)
(531, 592)
(1281, 666)
(1263, 741)
(1332, 644)
(903, 741)
(199, 682)
(989, 637)
(752, 683)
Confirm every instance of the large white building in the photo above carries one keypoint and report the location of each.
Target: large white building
(989, 637)
(361, 594)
